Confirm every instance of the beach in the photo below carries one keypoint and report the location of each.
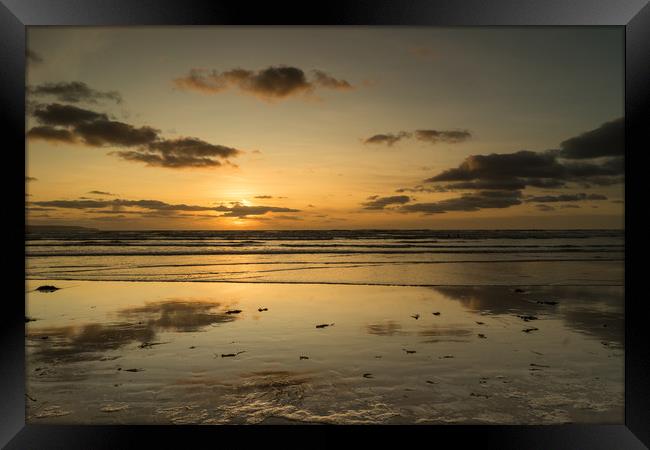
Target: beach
(391, 328)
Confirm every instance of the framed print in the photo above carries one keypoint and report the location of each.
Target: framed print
(400, 219)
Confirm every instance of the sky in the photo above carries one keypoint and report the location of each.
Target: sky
(325, 127)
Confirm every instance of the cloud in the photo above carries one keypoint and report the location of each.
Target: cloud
(156, 208)
(100, 193)
(375, 202)
(33, 57)
(527, 168)
(51, 134)
(117, 204)
(287, 217)
(435, 136)
(566, 198)
(430, 136)
(272, 83)
(241, 211)
(420, 188)
(498, 179)
(263, 196)
(544, 208)
(71, 124)
(327, 81)
(102, 133)
(606, 140)
(65, 115)
(388, 139)
(182, 152)
(73, 92)
(467, 202)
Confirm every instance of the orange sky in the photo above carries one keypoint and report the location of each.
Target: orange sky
(325, 127)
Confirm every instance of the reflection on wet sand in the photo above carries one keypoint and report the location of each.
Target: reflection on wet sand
(437, 333)
(151, 353)
(90, 341)
(595, 311)
(179, 315)
(387, 328)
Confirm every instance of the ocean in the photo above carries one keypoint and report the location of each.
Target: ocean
(333, 327)
(392, 257)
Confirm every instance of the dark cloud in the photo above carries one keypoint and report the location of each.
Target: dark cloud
(239, 210)
(38, 209)
(102, 133)
(606, 140)
(435, 136)
(467, 202)
(566, 198)
(182, 152)
(287, 217)
(325, 80)
(431, 136)
(157, 208)
(73, 92)
(51, 134)
(119, 203)
(272, 83)
(78, 125)
(388, 139)
(522, 164)
(375, 202)
(498, 179)
(420, 188)
(33, 57)
(65, 115)
(100, 193)
(526, 168)
(263, 196)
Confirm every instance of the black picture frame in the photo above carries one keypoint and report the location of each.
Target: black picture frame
(16, 15)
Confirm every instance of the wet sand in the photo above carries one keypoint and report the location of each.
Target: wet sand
(105, 352)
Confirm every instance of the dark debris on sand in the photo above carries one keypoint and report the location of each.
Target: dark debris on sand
(520, 291)
(474, 394)
(409, 352)
(151, 344)
(324, 325)
(133, 370)
(551, 303)
(437, 313)
(231, 355)
(482, 336)
(480, 323)
(528, 330)
(47, 288)
(29, 319)
(367, 375)
(304, 357)
(415, 316)
(233, 311)
(528, 318)
(262, 309)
